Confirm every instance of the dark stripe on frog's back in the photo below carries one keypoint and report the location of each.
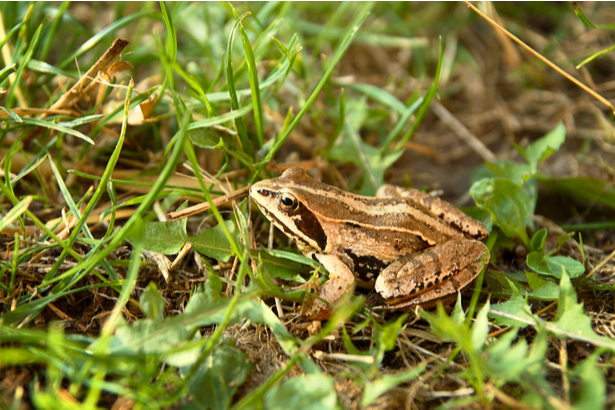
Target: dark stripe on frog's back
(417, 220)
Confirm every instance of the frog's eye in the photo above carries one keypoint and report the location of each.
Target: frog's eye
(288, 202)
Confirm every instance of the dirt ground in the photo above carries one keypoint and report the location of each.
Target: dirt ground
(502, 95)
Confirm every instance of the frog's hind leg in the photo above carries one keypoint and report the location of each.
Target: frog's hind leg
(341, 281)
(434, 275)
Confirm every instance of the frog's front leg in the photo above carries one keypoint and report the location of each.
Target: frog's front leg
(433, 275)
(341, 280)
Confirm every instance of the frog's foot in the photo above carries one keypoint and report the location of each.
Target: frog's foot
(341, 281)
(432, 276)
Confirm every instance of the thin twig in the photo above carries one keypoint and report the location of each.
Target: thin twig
(546, 61)
(204, 206)
(601, 264)
(461, 131)
(355, 358)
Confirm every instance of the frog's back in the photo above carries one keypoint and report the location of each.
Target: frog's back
(391, 220)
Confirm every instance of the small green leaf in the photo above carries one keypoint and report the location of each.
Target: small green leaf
(539, 240)
(542, 289)
(208, 308)
(214, 243)
(480, 330)
(161, 237)
(151, 303)
(517, 173)
(378, 387)
(552, 265)
(509, 205)
(591, 390)
(309, 392)
(202, 138)
(348, 345)
(573, 267)
(151, 338)
(562, 239)
(458, 315)
(541, 149)
(504, 282)
(387, 335)
(285, 265)
(536, 261)
(507, 361)
(570, 314)
(517, 306)
(215, 383)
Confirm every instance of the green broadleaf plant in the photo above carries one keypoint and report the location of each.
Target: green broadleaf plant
(508, 191)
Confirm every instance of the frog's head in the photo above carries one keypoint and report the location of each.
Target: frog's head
(285, 201)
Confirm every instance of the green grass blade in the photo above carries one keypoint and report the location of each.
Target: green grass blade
(192, 82)
(232, 90)
(12, 114)
(431, 93)
(373, 39)
(9, 194)
(43, 67)
(380, 95)
(10, 33)
(193, 160)
(171, 33)
(22, 64)
(104, 33)
(401, 123)
(28, 170)
(220, 119)
(585, 20)
(81, 120)
(100, 190)
(330, 25)
(594, 56)
(55, 25)
(80, 226)
(53, 126)
(352, 30)
(118, 238)
(6, 71)
(15, 212)
(254, 85)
